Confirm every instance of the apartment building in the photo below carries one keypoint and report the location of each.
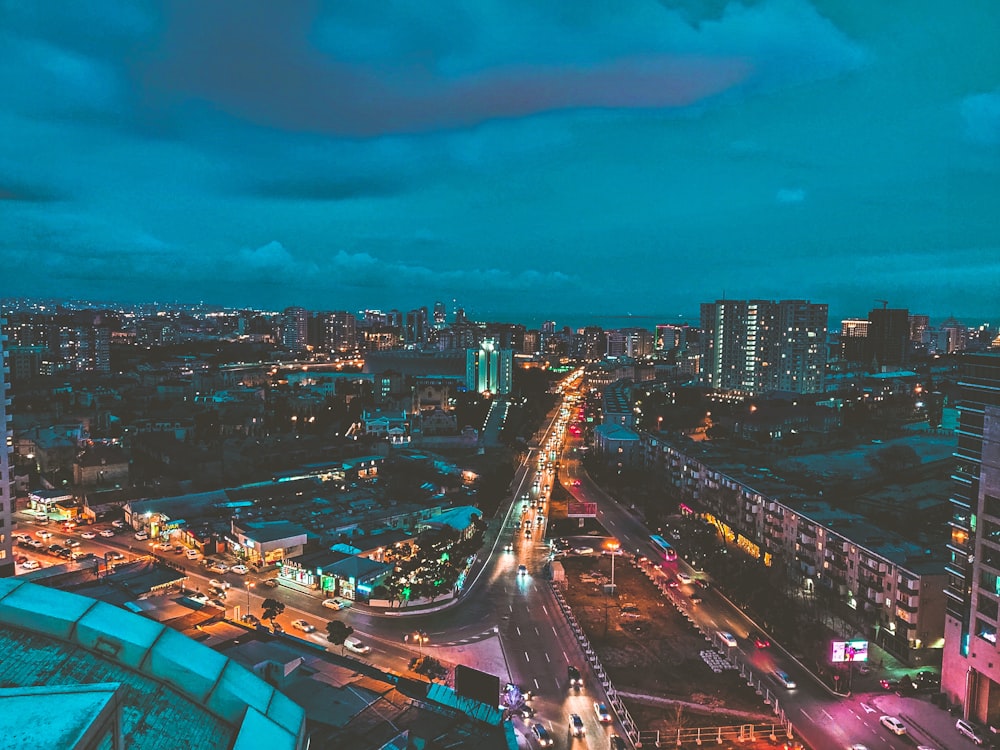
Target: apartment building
(892, 587)
(6, 448)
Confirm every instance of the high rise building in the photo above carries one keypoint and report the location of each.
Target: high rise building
(440, 314)
(6, 448)
(340, 332)
(854, 339)
(295, 329)
(489, 369)
(971, 661)
(758, 346)
(417, 326)
(888, 337)
(918, 324)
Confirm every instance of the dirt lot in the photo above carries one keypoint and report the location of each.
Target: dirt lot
(649, 648)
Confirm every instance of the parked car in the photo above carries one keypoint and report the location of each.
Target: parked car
(893, 724)
(304, 626)
(141, 536)
(971, 731)
(31, 565)
(239, 569)
(250, 619)
(192, 554)
(119, 524)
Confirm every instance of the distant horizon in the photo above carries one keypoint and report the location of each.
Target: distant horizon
(606, 321)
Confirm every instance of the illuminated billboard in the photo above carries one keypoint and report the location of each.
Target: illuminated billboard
(844, 651)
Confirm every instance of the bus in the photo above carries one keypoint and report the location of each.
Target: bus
(669, 553)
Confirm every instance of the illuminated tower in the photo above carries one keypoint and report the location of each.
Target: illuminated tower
(489, 369)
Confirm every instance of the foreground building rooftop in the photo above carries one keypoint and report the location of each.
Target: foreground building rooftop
(168, 690)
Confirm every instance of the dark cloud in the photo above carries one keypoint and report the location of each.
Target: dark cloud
(316, 188)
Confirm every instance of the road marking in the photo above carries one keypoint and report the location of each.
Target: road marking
(548, 659)
(565, 656)
(517, 629)
(510, 607)
(827, 715)
(536, 632)
(544, 610)
(808, 717)
(537, 686)
(868, 709)
(526, 657)
(554, 630)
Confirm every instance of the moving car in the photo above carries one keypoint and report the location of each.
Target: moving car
(783, 678)
(728, 639)
(43, 534)
(542, 735)
(106, 533)
(696, 598)
(141, 536)
(335, 604)
(603, 715)
(119, 524)
(760, 640)
(88, 535)
(575, 680)
(508, 548)
(239, 569)
(684, 577)
(304, 626)
(893, 724)
(522, 570)
(353, 644)
(583, 550)
(217, 584)
(576, 727)
(192, 554)
(616, 743)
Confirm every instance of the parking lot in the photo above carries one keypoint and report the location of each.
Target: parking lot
(648, 648)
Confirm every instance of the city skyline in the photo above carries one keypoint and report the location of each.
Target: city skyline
(527, 161)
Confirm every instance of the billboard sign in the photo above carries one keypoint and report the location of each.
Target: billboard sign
(581, 510)
(480, 686)
(849, 651)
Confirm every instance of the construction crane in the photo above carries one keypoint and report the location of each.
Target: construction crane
(885, 303)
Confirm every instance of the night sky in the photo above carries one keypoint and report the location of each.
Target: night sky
(527, 158)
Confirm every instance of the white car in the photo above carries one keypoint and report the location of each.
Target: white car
(583, 550)
(106, 533)
(88, 535)
(217, 584)
(141, 536)
(784, 679)
(335, 604)
(893, 724)
(31, 565)
(192, 554)
(683, 578)
(43, 534)
(353, 644)
(119, 524)
(304, 626)
(239, 569)
(603, 715)
(728, 639)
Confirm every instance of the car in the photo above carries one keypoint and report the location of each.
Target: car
(88, 535)
(43, 534)
(217, 567)
(508, 548)
(335, 604)
(119, 524)
(55, 549)
(271, 583)
(542, 735)
(782, 677)
(353, 644)
(893, 724)
(250, 619)
(527, 533)
(162, 547)
(217, 584)
(858, 747)
(276, 628)
(106, 533)
(583, 550)
(31, 565)
(192, 554)
(672, 583)
(70, 543)
(760, 640)
(574, 677)
(304, 626)
(728, 639)
(684, 578)
(702, 583)
(239, 569)
(115, 555)
(576, 726)
(616, 743)
(576, 482)
(888, 684)
(178, 549)
(522, 570)
(603, 715)
(696, 598)
(971, 731)
(141, 536)
(22, 537)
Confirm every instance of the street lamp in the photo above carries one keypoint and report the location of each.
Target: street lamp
(614, 546)
(249, 586)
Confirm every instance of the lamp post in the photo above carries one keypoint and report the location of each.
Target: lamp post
(249, 586)
(614, 546)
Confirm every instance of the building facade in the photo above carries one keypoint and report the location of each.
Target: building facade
(489, 369)
(756, 346)
(6, 449)
(971, 665)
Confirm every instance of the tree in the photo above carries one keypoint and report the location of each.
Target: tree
(272, 608)
(337, 632)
